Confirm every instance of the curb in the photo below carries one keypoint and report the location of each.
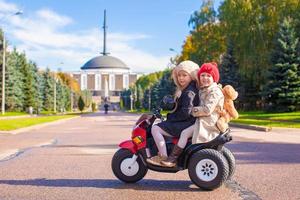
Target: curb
(8, 154)
(34, 127)
(16, 117)
(12, 153)
(251, 127)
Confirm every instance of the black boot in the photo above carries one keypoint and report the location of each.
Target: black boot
(172, 159)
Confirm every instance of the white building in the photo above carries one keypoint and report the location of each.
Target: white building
(105, 76)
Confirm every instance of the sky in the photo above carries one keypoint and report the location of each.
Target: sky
(65, 34)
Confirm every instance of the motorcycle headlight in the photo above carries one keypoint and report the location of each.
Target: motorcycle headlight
(137, 140)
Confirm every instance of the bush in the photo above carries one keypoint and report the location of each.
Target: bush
(94, 107)
(80, 104)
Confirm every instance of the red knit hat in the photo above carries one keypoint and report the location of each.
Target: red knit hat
(210, 68)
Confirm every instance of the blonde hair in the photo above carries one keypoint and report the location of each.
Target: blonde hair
(188, 66)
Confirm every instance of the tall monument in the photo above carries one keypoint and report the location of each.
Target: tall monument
(105, 76)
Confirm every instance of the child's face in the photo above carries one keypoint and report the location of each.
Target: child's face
(206, 79)
(183, 78)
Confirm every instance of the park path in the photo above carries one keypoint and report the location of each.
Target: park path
(71, 160)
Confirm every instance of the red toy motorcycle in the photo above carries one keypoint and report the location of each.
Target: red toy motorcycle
(209, 164)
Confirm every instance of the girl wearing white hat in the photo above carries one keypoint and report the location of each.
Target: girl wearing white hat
(180, 119)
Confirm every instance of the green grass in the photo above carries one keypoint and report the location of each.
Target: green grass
(8, 114)
(47, 112)
(12, 124)
(260, 118)
(288, 120)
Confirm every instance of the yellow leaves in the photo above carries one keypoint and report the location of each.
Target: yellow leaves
(69, 81)
(188, 47)
(206, 43)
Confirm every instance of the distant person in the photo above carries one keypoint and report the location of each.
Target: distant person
(106, 107)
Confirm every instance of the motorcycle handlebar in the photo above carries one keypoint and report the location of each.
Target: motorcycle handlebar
(157, 114)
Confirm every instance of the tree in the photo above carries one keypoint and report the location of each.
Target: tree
(94, 106)
(206, 41)
(48, 90)
(69, 81)
(282, 91)
(40, 90)
(59, 96)
(125, 96)
(230, 75)
(81, 104)
(252, 25)
(139, 97)
(30, 89)
(229, 69)
(165, 86)
(14, 83)
(206, 14)
(87, 97)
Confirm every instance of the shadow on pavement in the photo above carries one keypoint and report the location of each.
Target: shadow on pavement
(146, 184)
(265, 152)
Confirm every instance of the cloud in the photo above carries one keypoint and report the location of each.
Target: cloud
(50, 17)
(7, 7)
(42, 38)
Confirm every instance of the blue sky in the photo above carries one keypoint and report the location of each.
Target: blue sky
(67, 33)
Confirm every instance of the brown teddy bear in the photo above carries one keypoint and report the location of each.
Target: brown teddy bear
(229, 112)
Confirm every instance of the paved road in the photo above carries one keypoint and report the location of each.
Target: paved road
(72, 160)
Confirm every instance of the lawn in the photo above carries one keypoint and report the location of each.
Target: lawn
(259, 118)
(288, 120)
(12, 124)
(8, 114)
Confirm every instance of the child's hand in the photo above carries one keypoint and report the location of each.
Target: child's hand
(195, 109)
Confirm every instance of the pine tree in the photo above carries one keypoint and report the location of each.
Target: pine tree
(229, 69)
(155, 94)
(282, 91)
(229, 75)
(1, 61)
(146, 94)
(80, 104)
(30, 85)
(139, 96)
(66, 93)
(14, 83)
(62, 96)
(48, 90)
(166, 84)
(39, 79)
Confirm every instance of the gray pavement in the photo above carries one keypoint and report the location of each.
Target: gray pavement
(71, 160)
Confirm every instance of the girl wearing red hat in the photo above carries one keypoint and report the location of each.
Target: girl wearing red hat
(211, 100)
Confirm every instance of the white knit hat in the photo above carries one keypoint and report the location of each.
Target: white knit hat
(188, 66)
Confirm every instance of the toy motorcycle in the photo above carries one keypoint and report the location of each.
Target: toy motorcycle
(209, 164)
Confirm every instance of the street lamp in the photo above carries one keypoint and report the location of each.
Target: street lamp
(3, 67)
(54, 89)
(54, 102)
(171, 49)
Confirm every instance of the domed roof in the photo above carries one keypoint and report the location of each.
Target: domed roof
(101, 62)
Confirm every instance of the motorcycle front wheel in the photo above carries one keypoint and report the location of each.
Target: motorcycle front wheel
(126, 169)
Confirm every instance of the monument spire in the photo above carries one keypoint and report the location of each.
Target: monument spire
(104, 35)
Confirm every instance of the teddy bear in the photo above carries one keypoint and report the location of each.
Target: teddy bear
(229, 112)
